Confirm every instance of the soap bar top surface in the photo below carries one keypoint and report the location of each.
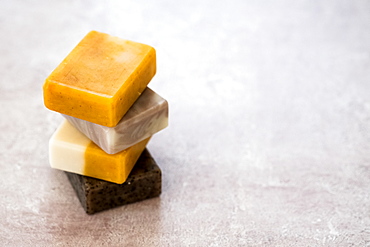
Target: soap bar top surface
(72, 151)
(147, 116)
(100, 79)
(97, 195)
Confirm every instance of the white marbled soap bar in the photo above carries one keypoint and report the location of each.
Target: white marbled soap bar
(147, 116)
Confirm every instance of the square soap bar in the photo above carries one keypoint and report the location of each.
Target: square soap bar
(97, 195)
(72, 151)
(100, 79)
(147, 116)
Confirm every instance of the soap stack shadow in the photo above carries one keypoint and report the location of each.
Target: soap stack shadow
(110, 115)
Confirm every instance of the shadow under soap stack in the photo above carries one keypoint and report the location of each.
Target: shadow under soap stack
(110, 114)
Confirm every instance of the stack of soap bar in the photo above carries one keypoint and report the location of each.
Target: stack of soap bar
(101, 90)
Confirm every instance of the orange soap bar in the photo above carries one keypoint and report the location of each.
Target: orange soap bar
(100, 79)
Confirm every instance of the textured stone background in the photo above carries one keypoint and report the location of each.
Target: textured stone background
(269, 137)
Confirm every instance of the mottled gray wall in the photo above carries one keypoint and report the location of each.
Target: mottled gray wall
(269, 136)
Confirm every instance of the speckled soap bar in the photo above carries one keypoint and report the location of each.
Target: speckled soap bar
(72, 151)
(147, 116)
(100, 79)
(97, 195)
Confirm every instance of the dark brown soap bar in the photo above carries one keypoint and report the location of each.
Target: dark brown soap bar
(97, 195)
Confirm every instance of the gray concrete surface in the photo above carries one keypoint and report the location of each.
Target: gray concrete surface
(269, 136)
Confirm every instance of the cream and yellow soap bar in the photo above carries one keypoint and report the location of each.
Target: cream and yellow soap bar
(71, 151)
(100, 79)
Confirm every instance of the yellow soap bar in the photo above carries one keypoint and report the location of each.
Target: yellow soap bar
(100, 79)
(72, 151)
